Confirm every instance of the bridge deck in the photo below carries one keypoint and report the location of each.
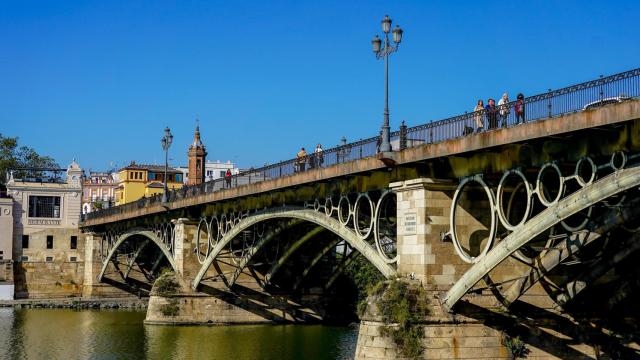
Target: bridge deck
(564, 124)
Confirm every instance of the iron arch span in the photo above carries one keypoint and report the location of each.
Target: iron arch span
(150, 235)
(592, 193)
(293, 213)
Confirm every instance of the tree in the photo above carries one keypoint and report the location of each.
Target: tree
(12, 156)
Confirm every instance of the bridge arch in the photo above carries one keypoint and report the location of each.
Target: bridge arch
(592, 193)
(150, 235)
(318, 218)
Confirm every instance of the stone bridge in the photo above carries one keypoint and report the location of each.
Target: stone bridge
(529, 231)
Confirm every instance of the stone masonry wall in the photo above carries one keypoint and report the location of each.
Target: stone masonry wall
(42, 273)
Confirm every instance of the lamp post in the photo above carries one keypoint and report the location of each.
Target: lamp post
(382, 51)
(166, 141)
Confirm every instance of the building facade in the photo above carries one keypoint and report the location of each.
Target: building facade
(137, 181)
(99, 191)
(47, 251)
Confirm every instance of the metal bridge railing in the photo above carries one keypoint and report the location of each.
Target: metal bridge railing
(614, 88)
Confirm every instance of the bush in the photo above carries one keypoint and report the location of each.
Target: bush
(166, 285)
(516, 346)
(402, 308)
(170, 308)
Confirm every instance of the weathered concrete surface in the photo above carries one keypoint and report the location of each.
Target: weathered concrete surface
(608, 115)
(219, 306)
(91, 286)
(477, 332)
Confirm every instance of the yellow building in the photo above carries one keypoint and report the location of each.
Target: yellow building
(137, 181)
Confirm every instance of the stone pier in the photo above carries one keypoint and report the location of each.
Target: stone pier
(480, 327)
(248, 303)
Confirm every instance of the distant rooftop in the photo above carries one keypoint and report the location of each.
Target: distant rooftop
(157, 168)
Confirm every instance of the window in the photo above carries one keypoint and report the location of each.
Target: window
(44, 206)
(24, 258)
(222, 173)
(25, 241)
(48, 259)
(178, 177)
(73, 259)
(49, 241)
(74, 242)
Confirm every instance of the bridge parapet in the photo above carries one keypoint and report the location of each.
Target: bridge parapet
(552, 107)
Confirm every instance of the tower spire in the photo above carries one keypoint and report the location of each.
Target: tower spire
(197, 158)
(197, 142)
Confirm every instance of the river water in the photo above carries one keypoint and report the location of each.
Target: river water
(92, 334)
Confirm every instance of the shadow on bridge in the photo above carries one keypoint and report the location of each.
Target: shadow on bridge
(273, 307)
(549, 331)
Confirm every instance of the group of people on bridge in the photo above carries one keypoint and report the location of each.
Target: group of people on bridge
(315, 160)
(496, 115)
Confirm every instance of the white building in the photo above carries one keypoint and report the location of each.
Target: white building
(213, 170)
(45, 242)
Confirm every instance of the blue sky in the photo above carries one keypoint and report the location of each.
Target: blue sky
(99, 80)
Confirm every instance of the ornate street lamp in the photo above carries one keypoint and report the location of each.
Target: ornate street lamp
(382, 51)
(166, 141)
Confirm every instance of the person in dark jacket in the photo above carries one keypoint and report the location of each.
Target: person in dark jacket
(519, 108)
(492, 114)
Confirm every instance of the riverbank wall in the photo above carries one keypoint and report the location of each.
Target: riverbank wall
(78, 303)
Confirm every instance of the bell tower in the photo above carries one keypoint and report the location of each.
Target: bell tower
(197, 156)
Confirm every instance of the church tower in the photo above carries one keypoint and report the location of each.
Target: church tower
(197, 156)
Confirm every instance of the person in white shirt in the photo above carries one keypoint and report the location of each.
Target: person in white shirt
(319, 155)
(504, 109)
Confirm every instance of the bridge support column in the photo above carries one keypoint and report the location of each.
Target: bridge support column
(423, 207)
(91, 287)
(480, 328)
(185, 260)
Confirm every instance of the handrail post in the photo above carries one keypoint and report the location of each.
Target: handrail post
(403, 136)
(549, 105)
(601, 90)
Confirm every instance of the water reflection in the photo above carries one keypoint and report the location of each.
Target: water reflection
(68, 334)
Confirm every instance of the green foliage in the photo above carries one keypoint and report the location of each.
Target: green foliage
(170, 308)
(364, 275)
(166, 285)
(12, 156)
(516, 346)
(98, 205)
(402, 308)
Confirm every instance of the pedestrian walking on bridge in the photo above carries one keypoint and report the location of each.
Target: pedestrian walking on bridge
(492, 114)
(477, 115)
(503, 105)
(301, 159)
(318, 155)
(227, 178)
